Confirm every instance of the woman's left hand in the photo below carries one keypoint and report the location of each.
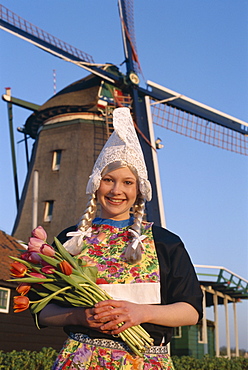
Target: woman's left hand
(113, 313)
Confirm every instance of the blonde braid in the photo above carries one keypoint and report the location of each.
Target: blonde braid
(89, 213)
(134, 255)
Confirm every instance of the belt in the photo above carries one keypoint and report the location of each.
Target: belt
(112, 344)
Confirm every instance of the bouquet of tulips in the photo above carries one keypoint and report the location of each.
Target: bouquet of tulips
(64, 278)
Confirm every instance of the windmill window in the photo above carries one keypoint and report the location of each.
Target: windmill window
(48, 214)
(4, 300)
(56, 160)
(177, 332)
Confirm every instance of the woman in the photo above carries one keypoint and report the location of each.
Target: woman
(145, 268)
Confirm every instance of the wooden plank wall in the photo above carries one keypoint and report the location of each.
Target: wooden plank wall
(18, 331)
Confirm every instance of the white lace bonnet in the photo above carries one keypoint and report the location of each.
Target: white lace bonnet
(122, 145)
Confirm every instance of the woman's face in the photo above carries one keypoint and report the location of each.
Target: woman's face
(117, 193)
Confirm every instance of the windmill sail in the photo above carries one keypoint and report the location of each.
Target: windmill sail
(20, 27)
(15, 24)
(127, 23)
(187, 117)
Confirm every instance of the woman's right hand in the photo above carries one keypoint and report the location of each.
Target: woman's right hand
(54, 315)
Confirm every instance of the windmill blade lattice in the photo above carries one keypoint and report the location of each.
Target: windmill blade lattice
(198, 128)
(15, 24)
(126, 10)
(190, 118)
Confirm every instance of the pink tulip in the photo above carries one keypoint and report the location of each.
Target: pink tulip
(37, 275)
(35, 244)
(39, 233)
(47, 250)
(48, 269)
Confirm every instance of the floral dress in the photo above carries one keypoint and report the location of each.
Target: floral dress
(105, 249)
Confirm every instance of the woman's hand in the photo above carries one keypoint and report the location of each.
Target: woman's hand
(116, 316)
(98, 323)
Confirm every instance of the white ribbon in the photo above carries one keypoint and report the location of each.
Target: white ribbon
(81, 234)
(137, 239)
(74, 244)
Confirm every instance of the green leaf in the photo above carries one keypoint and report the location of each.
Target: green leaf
(51, 287)
(66, 255)
(91, 272)
(81, 262)
(51, 260)
(77, 302)
(69, 279)
(27, 264)
(39, 305)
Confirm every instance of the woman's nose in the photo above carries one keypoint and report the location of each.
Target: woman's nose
(116, 189)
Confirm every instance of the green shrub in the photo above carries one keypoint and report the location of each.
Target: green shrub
(29, 360)
(210, 363)
(43, 360)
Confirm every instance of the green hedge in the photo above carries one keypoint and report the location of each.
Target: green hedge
(43, 360)
(28, 360)
(210, 363)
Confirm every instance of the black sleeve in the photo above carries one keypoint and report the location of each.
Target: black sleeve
(62, 236)
(177, 278)
(179, 282)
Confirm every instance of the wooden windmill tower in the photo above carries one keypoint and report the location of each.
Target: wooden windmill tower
(68, 128)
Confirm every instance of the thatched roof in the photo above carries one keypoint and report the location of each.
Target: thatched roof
(80, 96)
(9, 246)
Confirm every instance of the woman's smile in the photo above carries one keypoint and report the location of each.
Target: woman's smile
(115, 201)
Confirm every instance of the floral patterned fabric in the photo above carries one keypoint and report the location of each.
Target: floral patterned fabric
(105, 249)
(81, 356)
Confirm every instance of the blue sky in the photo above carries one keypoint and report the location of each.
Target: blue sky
(195, 47)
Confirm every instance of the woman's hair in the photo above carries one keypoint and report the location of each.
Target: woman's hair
(89, 213)
(132, 255)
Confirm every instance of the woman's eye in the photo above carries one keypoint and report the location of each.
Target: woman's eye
(128, 182)
(107, 179)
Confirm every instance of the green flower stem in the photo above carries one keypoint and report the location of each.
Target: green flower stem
(131, 346)
(105, 294)
(32, 280)
(83, 298)
(143, 333)
(97, 295)
(58, 257)
(43, 302)
(44, 295)
(133, 338)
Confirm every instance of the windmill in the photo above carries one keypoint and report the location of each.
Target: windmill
(155, 103)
